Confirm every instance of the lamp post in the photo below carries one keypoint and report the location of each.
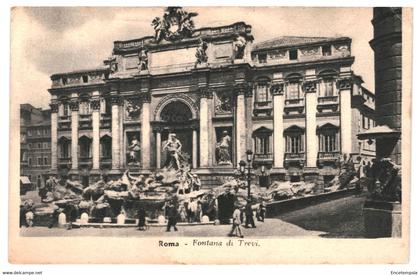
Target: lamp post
(247, 165)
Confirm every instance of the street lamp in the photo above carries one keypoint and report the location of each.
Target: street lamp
(243, 165)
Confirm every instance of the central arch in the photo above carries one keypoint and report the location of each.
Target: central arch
(181, 98)
(176, 115)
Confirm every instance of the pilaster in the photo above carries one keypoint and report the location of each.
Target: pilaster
(54, 136)
(309, 87)
(95, 107)
(74, 106)
(344, 85)
(145, 131)
(277, 90)
(115, 131)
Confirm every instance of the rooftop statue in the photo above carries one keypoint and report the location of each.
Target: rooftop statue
(175, 24)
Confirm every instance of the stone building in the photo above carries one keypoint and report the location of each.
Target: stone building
(35, 143)
(294, 101)
(387, 45)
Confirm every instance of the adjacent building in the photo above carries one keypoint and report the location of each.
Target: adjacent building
(35, 143)
(294, 101)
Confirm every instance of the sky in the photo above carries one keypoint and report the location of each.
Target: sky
(52, 40)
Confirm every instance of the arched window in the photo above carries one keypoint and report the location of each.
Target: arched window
(294, 140)
(263, 141)
(85, 147)
(328, 135)
(106, 147)
(64, 147)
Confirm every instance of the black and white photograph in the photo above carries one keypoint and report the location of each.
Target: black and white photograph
(212, 125)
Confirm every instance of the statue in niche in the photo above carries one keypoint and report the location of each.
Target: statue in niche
(201, 54)
(223, 149)
(239, 47)
(173, 153)
(223, 103)
(132, 109)
(143, 60)
(134, 151)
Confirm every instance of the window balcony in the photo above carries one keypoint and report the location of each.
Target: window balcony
(293, 159)
(85, 161)
(64, 161)
(85, 121)
(328, 158)
(262, 158)
(294, 105)
(64, 118)
(328, 103)
(263, 107)
(105, 120)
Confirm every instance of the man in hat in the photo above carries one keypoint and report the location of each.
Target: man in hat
(172, 214)
(236, 223)
(249, 215)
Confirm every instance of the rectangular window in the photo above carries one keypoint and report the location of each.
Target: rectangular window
(85, 79)
(326, 50)
(38, 132)
(293, 55)
(262, 145)
(329, 87)
(45, 161)
(29, 162)
(293, 91)
(29, 132)
(294, 144)
(262, 94)
(39, 161)
(262, 58)
(39, 145)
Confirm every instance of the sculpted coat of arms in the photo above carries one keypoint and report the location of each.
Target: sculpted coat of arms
(175, 24)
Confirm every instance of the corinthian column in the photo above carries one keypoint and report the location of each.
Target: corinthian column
(145, 131)
(344, 86)
(277, 90)
(74, 105)
(54, 126)
(95, 106)
(115, 131)
(240, 122)
(204, 129)
(311, 110)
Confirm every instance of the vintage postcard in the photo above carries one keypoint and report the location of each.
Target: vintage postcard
(210, 135)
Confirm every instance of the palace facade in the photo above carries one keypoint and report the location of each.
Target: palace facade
(294, 101)
(35, 143)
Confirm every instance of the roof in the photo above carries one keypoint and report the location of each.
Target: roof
(82, 71)
(379, 131)
(287, 41)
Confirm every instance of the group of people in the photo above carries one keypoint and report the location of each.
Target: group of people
(248, 212)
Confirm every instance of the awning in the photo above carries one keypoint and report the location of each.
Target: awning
(25, 180)
(382, 131)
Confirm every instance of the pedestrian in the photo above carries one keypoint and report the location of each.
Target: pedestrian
(261, 212)
(236, 223)
(142, 219)
(172, 215)
(192, 210)
(249, 215)
(38, 182)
